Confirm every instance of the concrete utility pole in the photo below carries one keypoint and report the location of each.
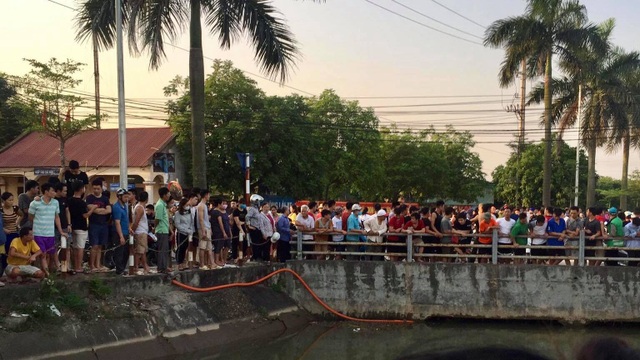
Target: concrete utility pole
(577, 183)
(122, 123)
(519, 110)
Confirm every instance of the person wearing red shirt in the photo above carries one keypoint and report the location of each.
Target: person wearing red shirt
(396, 224)
(486, 227)
(414, 225)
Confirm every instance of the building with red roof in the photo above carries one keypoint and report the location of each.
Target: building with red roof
(37, 156)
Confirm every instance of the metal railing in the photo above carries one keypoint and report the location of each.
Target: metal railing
(412, 247)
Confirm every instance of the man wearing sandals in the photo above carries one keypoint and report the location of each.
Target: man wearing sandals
(22, 253)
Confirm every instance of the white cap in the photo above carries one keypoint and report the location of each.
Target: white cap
(355, 207)
(381, 212)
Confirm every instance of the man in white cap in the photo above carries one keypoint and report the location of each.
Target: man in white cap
(374, 227)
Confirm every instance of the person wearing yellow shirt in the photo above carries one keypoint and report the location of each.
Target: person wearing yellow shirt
(22, 253)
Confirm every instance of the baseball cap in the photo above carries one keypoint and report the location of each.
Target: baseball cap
(628, 213)
(613, 210)
(355, 207)
(381, 213)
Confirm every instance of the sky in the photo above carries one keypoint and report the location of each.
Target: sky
(387, 54)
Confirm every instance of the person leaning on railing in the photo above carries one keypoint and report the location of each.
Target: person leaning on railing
(517, 235)
(354, 229)
(632, 235)
(375, 227)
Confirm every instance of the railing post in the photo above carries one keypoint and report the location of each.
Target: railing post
(299, 246)
(581, 244)
(410, 248)
(494, 247)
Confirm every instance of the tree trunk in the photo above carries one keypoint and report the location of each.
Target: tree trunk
(96, 79)
(546, 176)
(63, 159)
(196, 89)
(625, 170)
(591, 172)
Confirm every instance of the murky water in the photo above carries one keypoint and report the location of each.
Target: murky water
(342, 340)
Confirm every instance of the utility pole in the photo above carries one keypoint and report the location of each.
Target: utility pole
(96, 79)
(122, 123)
(519, 110)
(247, 177)
(577, 183)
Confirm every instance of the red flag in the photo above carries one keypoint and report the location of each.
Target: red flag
(68, 118)
(44, 116)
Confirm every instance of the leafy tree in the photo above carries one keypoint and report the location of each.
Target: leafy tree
(150, 23)
(531, 166)
(14, 112)
(47, 84)
(548, 28)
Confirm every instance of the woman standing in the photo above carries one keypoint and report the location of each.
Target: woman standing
(184, 223)
(10, 217)
(283, 226)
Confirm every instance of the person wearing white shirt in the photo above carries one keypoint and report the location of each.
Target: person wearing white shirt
(374, 227)
(505, 224)
(632, 235)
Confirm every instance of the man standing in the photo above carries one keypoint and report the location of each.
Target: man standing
(593, 229)
(486, 227)
(65, 223)
(354, 228)
(556, 228)
(74, 174)
(518, 233)
(615, 229)
(79, 212)
(24, 201)
(98, 228)
(220, 231)
(140, 228)
(238, 230)
(375, 227)
(446, 228)
(505, 224)
(632, 235)
(574, 225)
(22, 253)
(162, 230)
(205, 246)
(121, 231)
(45, 216)
(305, 224)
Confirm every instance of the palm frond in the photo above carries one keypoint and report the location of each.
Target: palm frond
(223, 18)
(275, 47)
(97, 18)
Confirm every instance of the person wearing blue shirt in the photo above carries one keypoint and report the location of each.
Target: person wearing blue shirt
(353, 228)
(632, 235)
(556, 227)
(283, 227)
(120, 216)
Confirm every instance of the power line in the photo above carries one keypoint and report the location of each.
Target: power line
(462, 16)
(423, 24)
(436, 20)
(63, 5)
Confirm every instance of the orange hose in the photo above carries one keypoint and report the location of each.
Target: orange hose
(297, 276)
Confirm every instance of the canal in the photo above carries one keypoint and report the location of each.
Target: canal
(346, 340)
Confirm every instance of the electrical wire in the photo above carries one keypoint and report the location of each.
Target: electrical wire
(460, 15)
(436, 20)
(423, 24)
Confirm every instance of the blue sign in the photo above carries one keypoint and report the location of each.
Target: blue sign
(278, 201)
(115, 186)
(242, 157)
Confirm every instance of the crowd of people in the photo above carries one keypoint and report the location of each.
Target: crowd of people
(59, 227)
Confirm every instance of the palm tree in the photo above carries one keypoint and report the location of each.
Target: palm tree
(149, 23)
(626, 132)
(548, 28)
(606, 97)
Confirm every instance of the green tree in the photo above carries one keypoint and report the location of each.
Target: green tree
(606, 98)
(151, 23)
(530, 186)
(608, 192)
(14, 112)
(548, 28)
(47, 84)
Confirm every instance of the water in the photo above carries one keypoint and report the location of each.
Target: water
(344, 340)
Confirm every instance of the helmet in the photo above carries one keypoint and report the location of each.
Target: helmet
(256, 198)
(121, 191)
(275, 237)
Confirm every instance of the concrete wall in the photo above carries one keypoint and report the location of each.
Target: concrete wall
(420, 291)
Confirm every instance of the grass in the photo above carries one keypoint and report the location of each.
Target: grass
(98, 289)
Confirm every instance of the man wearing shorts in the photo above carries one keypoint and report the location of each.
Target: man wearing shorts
(45, 216)
(220, 230)
(141, 229)
(79, 212)
(204, 231)
(98, 228)
(22, 253)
